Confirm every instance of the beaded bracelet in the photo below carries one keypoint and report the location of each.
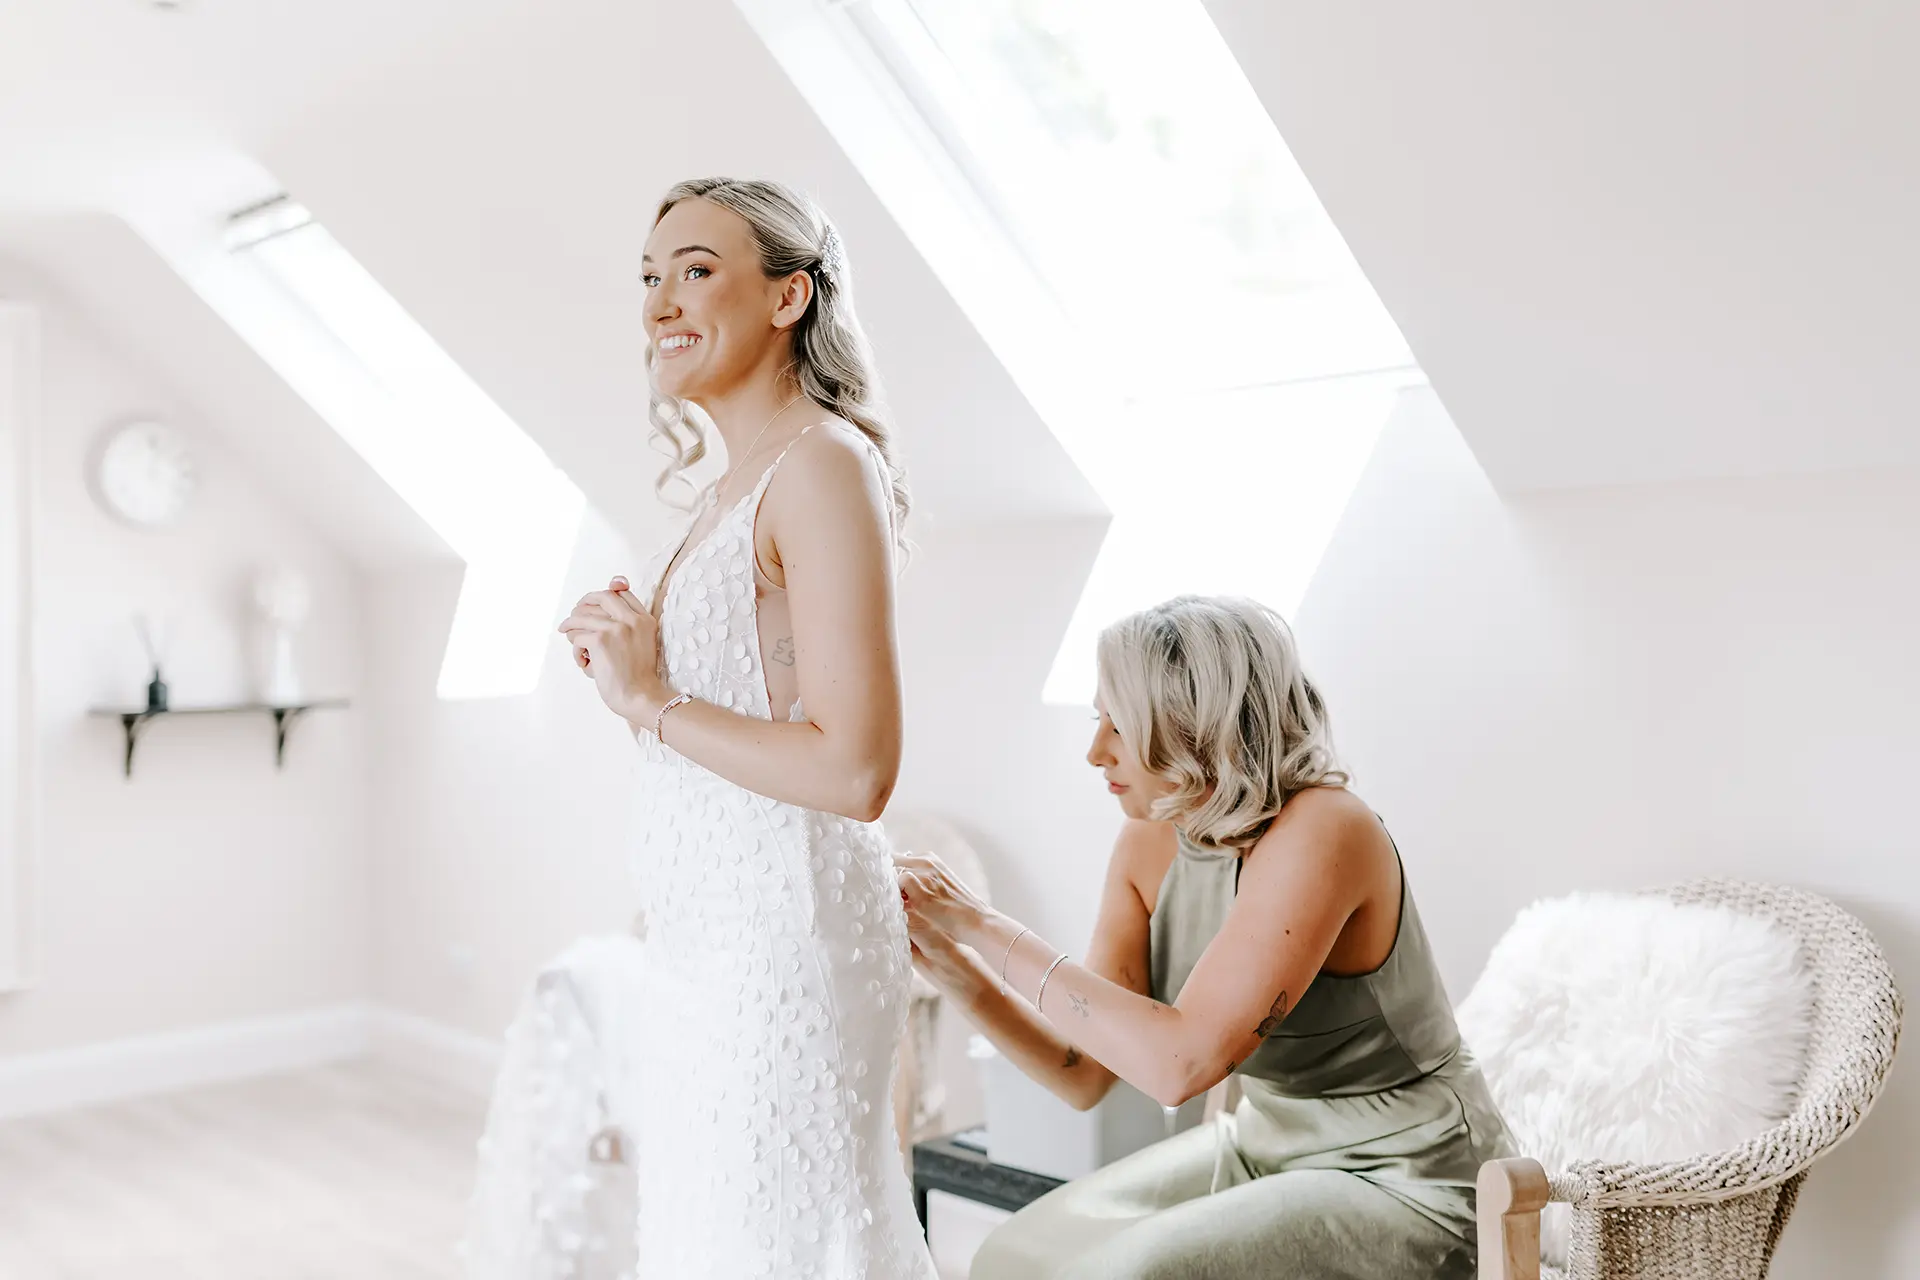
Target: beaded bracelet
(1041, 995)
(679, 700)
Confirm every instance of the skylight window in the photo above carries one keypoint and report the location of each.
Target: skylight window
(434, 436)
(1143, 181)
(1100, 189)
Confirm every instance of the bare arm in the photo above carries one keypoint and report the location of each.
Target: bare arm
(827, 514)
(1300, 886)
(1029, 1041)
(1118, 953)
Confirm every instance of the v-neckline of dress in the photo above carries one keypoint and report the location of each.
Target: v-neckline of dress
(663, 589)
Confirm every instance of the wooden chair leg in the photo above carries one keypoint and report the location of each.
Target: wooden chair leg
(1511, 1195)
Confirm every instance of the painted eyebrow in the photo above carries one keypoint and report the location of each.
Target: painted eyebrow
(683, 251)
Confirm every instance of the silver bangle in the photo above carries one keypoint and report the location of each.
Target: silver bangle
(676, 701)
(1041, 994)
(1009, 956)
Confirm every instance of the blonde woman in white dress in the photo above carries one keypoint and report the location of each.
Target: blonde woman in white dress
(755, 659)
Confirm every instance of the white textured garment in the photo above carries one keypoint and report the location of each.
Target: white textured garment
(774, 986)
(550, 1201)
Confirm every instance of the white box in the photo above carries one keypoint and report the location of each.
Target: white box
(1029, 1128)
(956, 1227)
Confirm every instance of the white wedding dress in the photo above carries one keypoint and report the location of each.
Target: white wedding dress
(775, 977)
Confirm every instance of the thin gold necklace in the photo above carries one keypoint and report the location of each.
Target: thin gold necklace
(735, 468)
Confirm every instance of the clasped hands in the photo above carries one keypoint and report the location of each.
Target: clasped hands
(617, 643)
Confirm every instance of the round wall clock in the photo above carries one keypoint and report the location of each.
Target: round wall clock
(145, 473)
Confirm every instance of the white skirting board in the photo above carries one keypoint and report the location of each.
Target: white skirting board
(458, 1059)
(89, 1075)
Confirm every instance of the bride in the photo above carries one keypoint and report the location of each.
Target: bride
(755, 659)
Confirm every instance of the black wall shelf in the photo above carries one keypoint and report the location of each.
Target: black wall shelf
(134, 722)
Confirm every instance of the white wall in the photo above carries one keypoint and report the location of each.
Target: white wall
(209, 888)
(982, 609)
(19, 409)
(1624, 687)
(500, 826)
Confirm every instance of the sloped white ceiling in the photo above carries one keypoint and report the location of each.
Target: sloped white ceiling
(151, 318)
(495, 165)
(502, 189)
(1628, 241)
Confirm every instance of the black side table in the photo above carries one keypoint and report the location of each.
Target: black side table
(957, 1164)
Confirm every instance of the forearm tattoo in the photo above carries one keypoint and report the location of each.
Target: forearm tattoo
(1271, 1023)
(1079, 1003)
(782, 651)
(1073, 1058)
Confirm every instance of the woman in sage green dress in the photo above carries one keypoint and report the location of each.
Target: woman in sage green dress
(1255, 921)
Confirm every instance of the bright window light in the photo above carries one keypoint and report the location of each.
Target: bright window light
(1142, 179)
(1103, 193)
(436, 438)
(1233, 493)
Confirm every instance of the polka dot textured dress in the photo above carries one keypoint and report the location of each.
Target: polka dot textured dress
(776, 983)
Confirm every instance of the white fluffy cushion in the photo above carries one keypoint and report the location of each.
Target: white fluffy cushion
(1628, 1027)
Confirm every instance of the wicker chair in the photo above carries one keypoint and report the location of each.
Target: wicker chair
(1719, 1216)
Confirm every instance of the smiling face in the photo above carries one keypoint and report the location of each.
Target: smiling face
(713, 317)
(1128, 780)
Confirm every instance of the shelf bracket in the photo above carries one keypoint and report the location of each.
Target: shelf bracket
(132, 722)
(283, 718)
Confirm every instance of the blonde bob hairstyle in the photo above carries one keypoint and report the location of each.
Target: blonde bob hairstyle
(1208, 693)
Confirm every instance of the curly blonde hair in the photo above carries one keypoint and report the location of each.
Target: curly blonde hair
(832, 361)
(1208, 693)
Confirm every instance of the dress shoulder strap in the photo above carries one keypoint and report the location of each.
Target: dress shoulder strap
(879, 459)
(872, 448)
(766, 477)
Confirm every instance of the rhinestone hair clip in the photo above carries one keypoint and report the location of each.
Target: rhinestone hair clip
(833, 257)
